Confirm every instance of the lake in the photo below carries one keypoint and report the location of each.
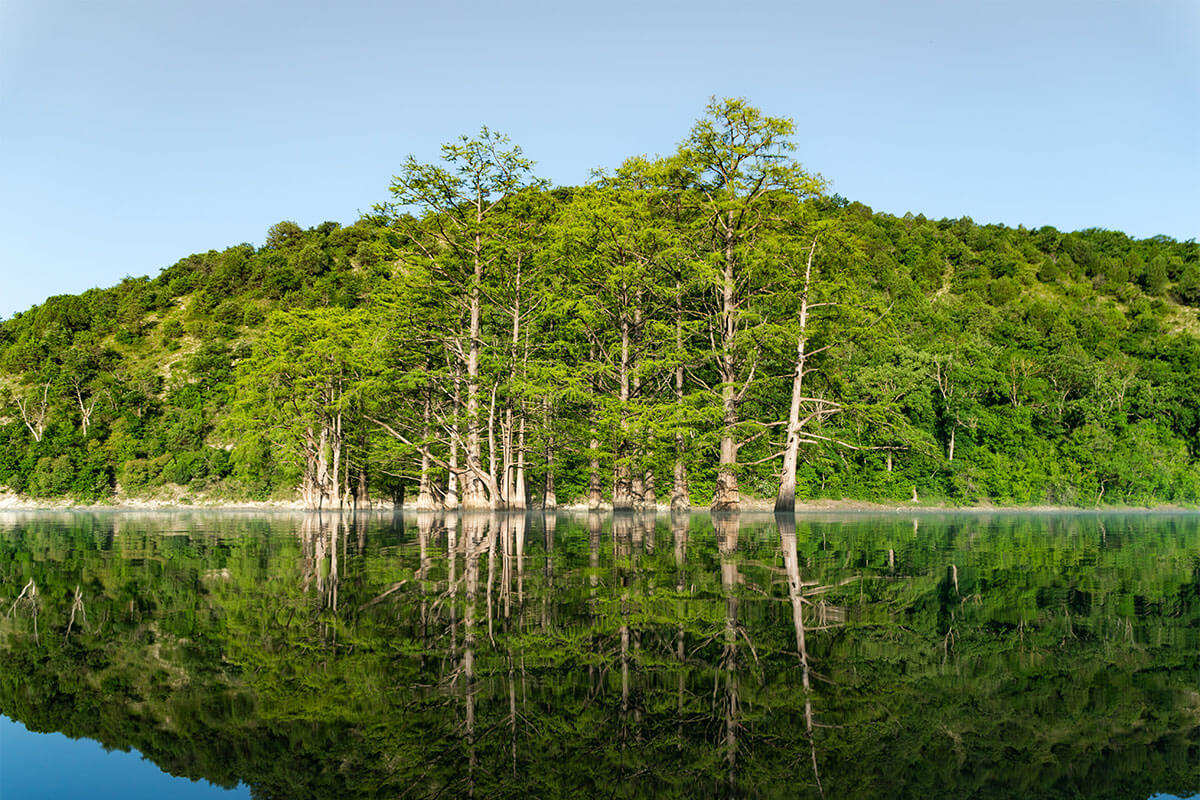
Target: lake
(574, 655)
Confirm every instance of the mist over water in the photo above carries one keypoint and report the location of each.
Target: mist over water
(857, 655)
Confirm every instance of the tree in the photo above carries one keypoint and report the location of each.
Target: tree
(299, 390)
(460, 243)
(738, 163)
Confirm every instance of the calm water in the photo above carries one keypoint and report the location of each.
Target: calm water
(846, 656)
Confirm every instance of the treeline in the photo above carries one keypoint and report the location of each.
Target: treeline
(682, 330)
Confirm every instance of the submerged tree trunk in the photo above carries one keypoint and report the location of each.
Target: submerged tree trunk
(475, 496)
(649, 498)
(785, 500)
(726, 496)
(425, 501)
(595, 495)
(622, 493)
(680, 497)
(549, 498)
(519, 488)
(451, 499)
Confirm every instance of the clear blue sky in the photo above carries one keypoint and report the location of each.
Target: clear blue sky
(135, 132)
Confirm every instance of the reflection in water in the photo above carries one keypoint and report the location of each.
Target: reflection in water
(549, 655)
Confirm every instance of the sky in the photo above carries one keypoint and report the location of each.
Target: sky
(136, 132)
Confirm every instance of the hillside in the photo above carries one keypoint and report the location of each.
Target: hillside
(605, 341)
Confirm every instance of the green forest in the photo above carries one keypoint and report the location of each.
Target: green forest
(711, 327)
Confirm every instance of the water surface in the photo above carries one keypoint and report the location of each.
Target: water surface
(971, 655)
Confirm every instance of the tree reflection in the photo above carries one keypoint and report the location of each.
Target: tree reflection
(560, 656)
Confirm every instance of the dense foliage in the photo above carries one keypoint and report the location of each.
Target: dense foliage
(490, 341)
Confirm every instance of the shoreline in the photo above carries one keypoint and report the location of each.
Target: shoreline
(12, 502)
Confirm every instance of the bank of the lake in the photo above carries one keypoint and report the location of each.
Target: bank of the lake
(15, 502)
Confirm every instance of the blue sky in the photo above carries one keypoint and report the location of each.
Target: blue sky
(135, 132)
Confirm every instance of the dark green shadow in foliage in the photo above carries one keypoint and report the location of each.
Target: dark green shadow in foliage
(630, 656)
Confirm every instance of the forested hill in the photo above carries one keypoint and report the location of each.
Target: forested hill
(490, 341)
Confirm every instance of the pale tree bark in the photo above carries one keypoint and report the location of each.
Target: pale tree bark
(516, 499)
(549, 497)
(35, 413)
(595, 495)
(785, 500)
(451, 499)
(649, 497)
(726, 495)
(86, 407)
(474, 494)
(791, 563)
(727, 537)
(425, 499)
(622, 492)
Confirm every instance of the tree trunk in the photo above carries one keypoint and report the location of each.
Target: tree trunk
(549, 499)
(785, 500)
(649, 498)
(622, 494)
(425, 501)
(726, 496)
(519, 489)
(595, 496)
(451, 501)
(475, 495)
(680, 497)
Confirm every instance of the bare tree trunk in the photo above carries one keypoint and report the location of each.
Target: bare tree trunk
(516, 497)
(451, 500)
(785, 500)
(595, 497)
(680, 496)
(425, 501)
(622, 493)
(335, 483)
(519, 488)
(34, 416)
(549, 498)
(474, 493)
(726, 496)
(507, 467)
(85, 407)
(649, 498)
(322, 466)
(494, 488)
(637, 484)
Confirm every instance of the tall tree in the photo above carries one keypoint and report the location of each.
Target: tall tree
(461, 243)
(739, 164)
